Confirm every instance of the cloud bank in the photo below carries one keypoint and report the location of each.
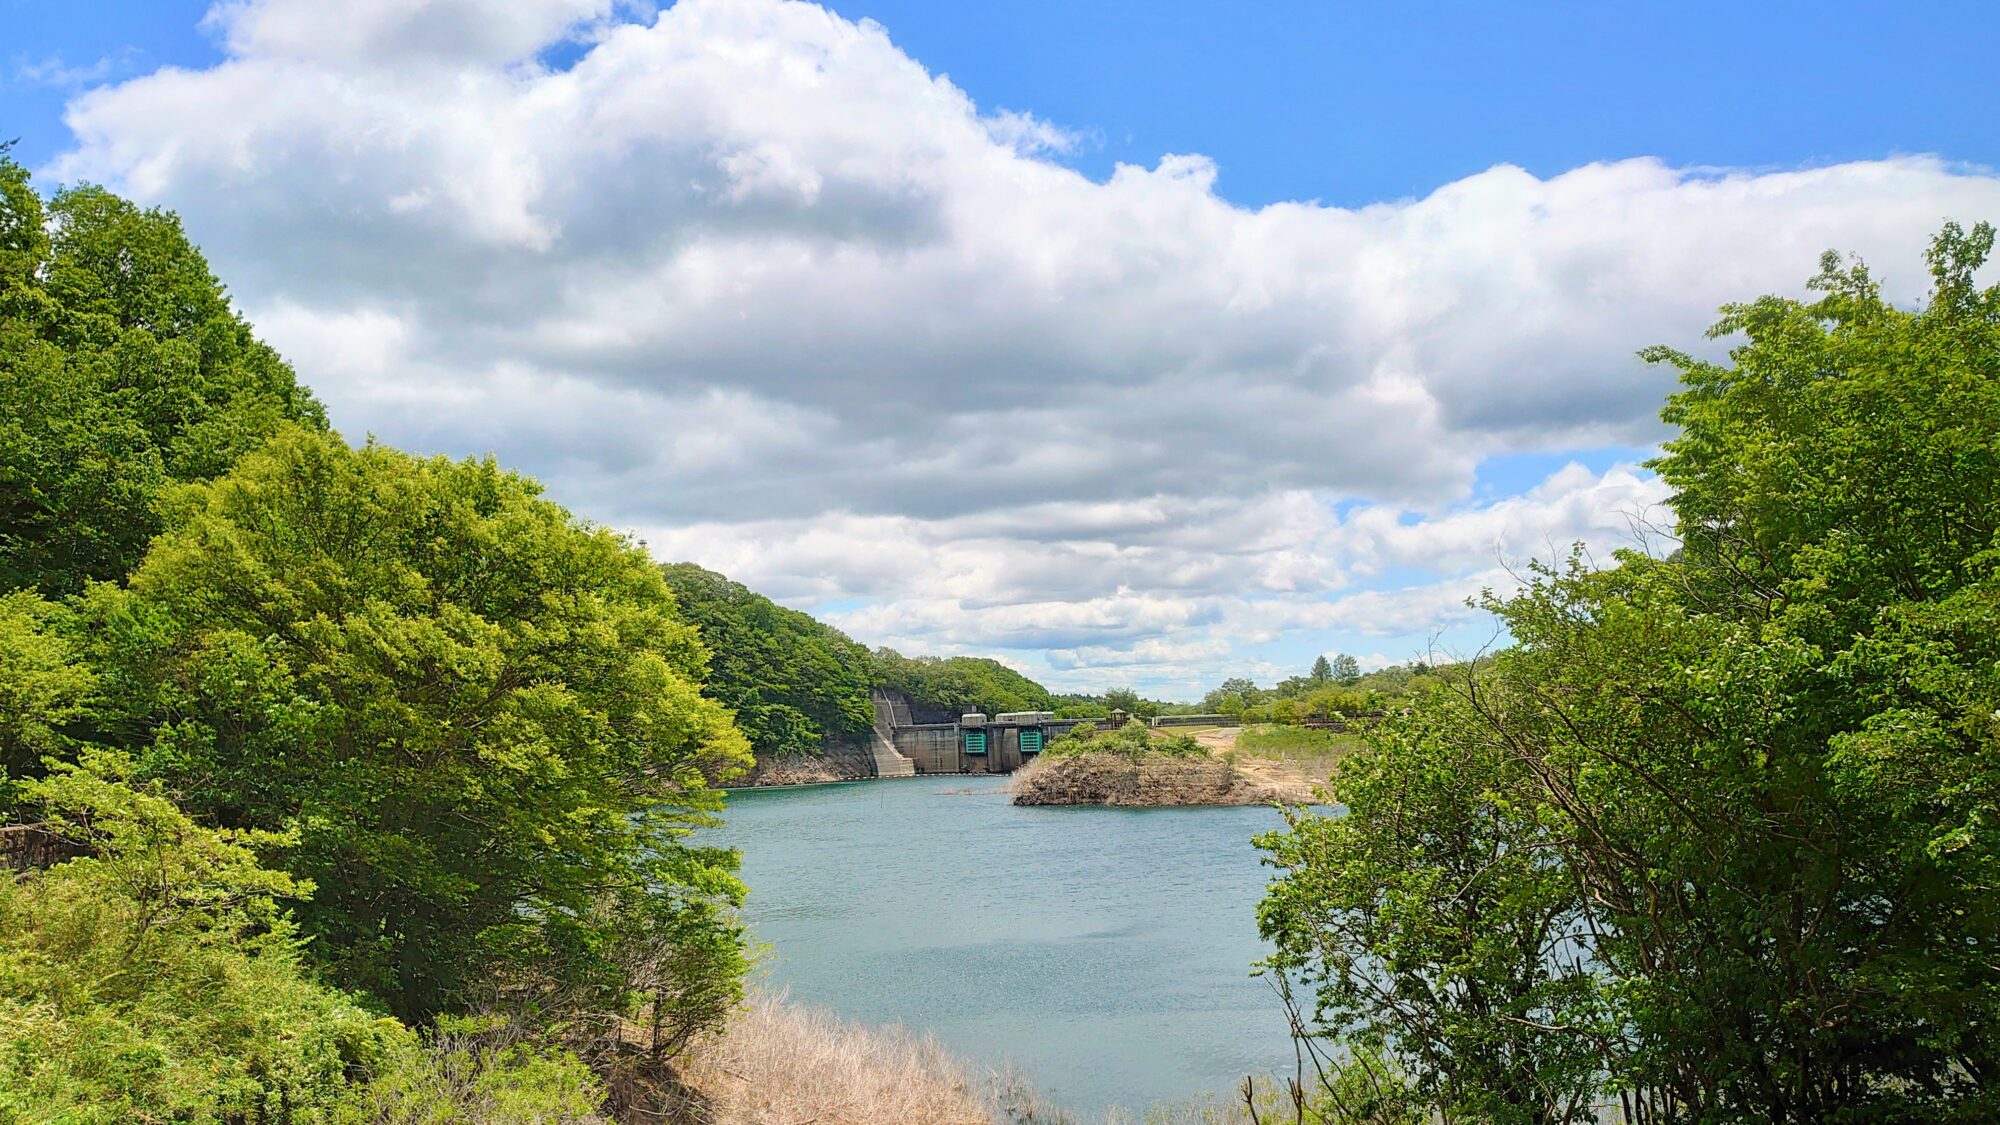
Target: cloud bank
(745, 277)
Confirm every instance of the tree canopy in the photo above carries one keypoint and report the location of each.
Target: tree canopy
(958, 685)
(484, 716)
(1738, 802)
(123, 369)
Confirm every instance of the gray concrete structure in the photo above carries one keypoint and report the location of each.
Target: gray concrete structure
(973, 744)
(891, 712)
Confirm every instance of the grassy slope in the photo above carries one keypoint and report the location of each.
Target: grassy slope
(1280, 743)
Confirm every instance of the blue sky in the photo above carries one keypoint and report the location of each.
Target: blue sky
(1357, 102)
(752, 283)
(1350, 103)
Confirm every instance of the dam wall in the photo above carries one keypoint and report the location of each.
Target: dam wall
(892, 713)
(934, 747)
(977, 744)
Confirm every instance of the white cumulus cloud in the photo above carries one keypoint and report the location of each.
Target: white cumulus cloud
(746, 276)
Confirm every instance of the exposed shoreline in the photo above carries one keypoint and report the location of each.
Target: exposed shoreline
(1123, 781)
(1221, 778)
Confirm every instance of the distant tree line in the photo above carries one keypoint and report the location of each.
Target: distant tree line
(1334, 688)
(957, 685)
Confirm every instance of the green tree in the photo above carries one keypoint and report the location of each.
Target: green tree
(1322, 670)
(1431, 927)
(1122, 699)
(1346, 670)
(1236, 692)
(1793, 898)
(791, 681)
(123, 369)
(1766, 763)
(482, 716)
(1846, 458)
(43, 688)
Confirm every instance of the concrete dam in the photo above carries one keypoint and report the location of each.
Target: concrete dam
(903, 747)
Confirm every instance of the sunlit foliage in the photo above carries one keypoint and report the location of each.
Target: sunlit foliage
(1754, 782)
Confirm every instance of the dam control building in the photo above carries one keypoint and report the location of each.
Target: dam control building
(977, 744)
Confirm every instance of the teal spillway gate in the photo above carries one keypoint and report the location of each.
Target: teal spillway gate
(975, 743)
(1031, 742)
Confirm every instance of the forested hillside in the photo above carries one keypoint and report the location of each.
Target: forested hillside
(791, 680)
(949, 686)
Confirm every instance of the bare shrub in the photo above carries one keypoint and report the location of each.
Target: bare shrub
(779, 1062)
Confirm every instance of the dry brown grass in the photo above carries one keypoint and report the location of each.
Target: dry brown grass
(782, 1064)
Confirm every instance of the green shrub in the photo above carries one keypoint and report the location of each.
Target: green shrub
(469, 1073)
(156, 977)
(1133, 740)
(1295, 742)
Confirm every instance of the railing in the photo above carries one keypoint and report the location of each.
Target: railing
(1196, 721)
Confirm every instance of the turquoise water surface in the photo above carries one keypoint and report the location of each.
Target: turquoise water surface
(1104, 952)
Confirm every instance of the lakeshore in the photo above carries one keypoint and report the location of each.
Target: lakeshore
(1103, 954)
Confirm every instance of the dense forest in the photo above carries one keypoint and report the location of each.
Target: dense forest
(949, 686)
(126, 372)
(340, 784)
(1714, 841)
(795, 683)
(792, 682)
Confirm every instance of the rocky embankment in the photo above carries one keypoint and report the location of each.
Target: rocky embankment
(1147, 781)
(836, 761)
(810, 769)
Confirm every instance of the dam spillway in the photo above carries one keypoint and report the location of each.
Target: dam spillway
(976, 744)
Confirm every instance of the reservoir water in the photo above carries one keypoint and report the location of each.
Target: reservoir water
(1105, 953)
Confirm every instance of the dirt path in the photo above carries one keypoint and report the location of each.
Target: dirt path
(1290, 781)
(1218, 739)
